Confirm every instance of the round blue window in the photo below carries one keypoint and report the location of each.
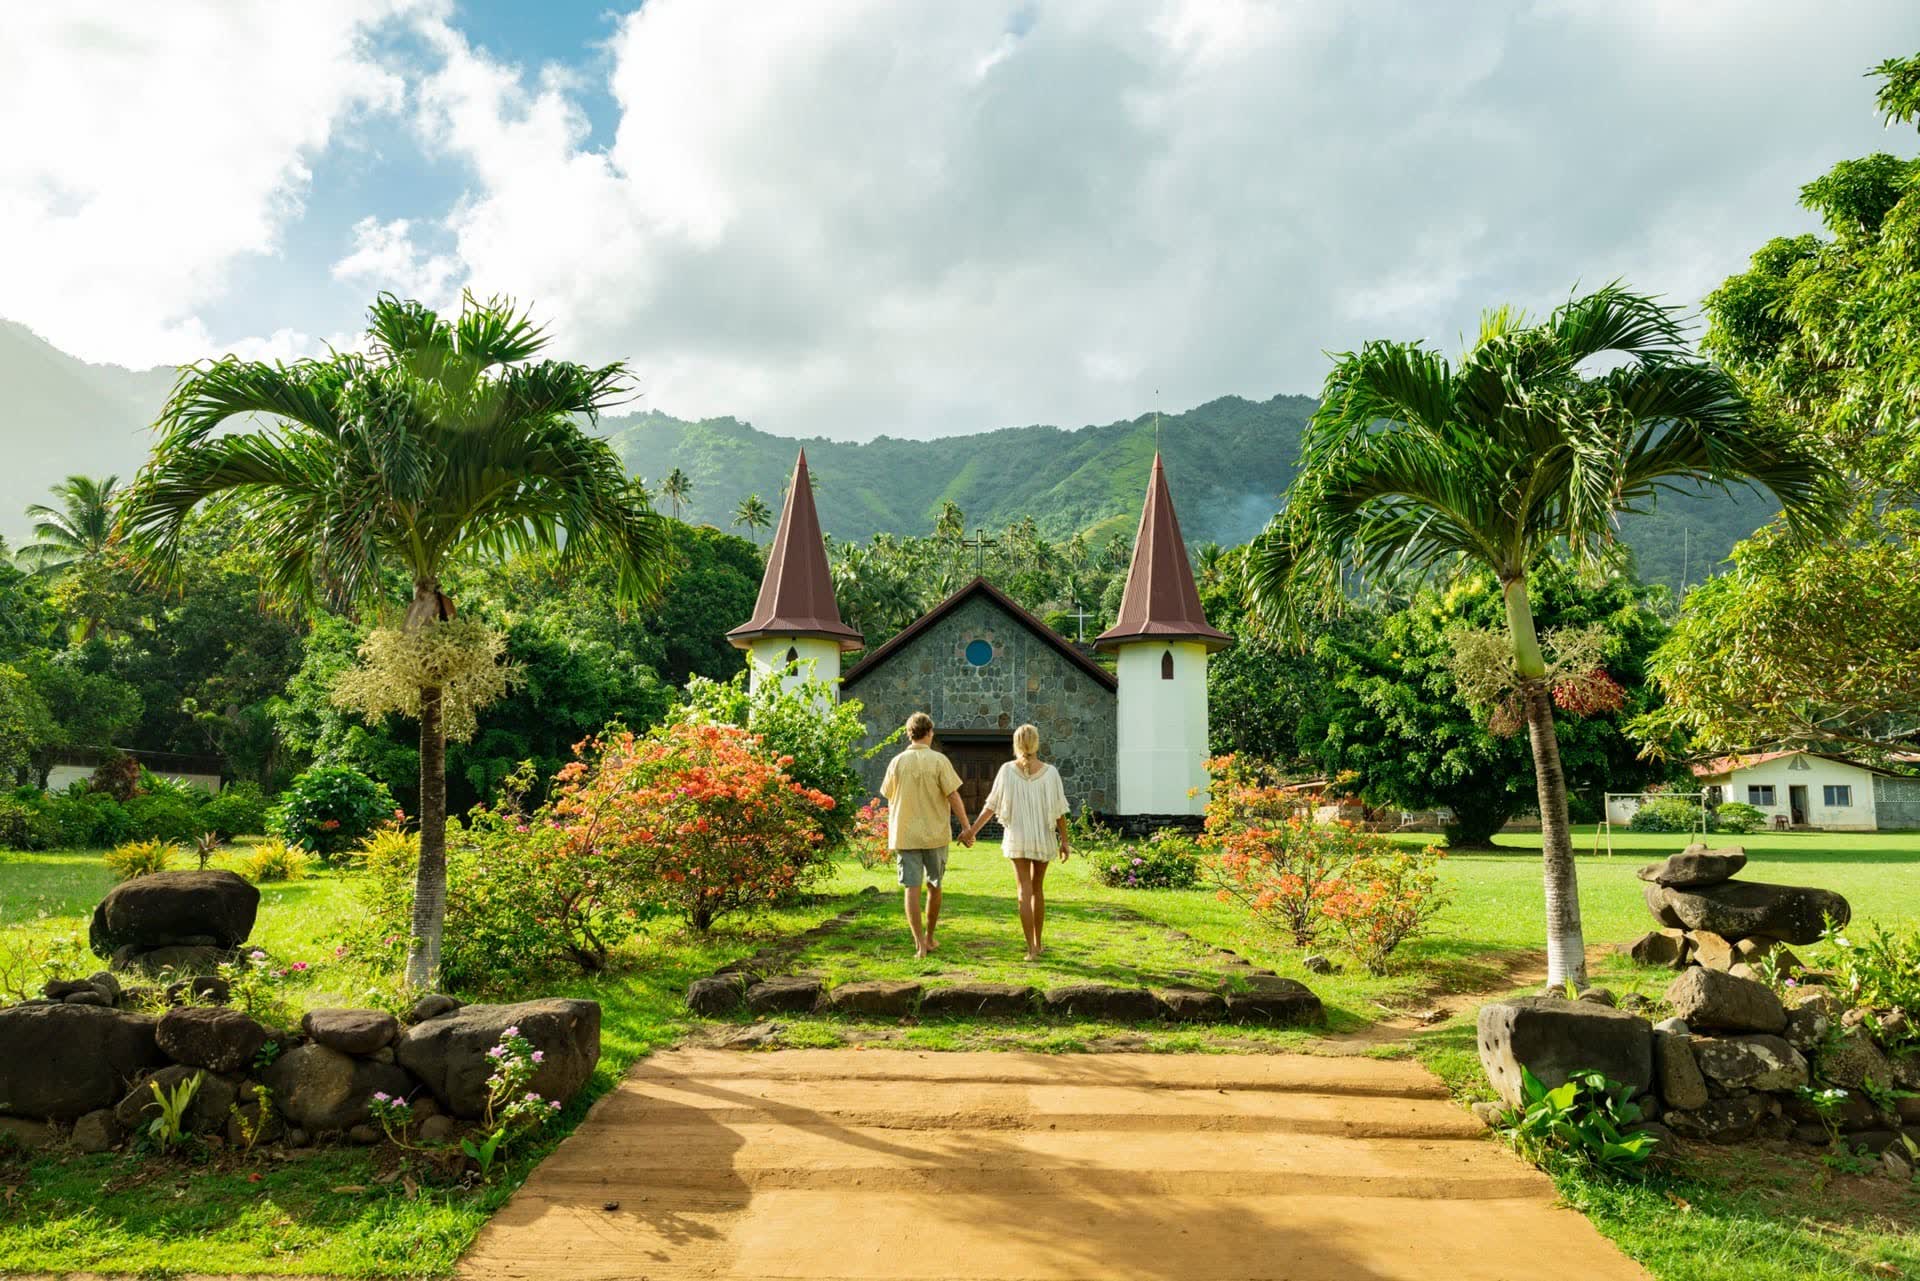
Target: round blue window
(979, 652)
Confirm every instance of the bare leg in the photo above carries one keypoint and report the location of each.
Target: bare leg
(1023, 872)
(913, 921)
(1038, 894)
(933, 913)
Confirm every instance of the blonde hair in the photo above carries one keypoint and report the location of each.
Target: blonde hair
(1026, 743)
(919, 725)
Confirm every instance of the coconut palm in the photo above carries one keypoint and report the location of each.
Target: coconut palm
(677, 489)
(446, 442)
(1416, 465)
(78, 528)
(754, 514)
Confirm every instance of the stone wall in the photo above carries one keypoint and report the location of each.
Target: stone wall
(1027, 680)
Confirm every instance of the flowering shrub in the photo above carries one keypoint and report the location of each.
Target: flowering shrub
(512, 1109)
(1879, 973)
(330, 809)
(391, 1112)
(1168, 860)
(869, 839)
(140, 858)
(1382, 900)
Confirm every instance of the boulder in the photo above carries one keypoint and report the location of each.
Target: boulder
(1906, 1069)
(432, 1006)
(1315, 963)
(437, 1129)
(1851, 1059)
(1758, 1062)
(1555, 1038)
(102, 989)
(1103, 1001)
(359, 1032)
(1667, 948)
(186, 958)
(1283, 1002)
(1186, 1005)
(1598, 996)
(1743, 909)
(248, 1120)
(873, 998)
(1722, 1120)
(1853, 1112)
(449, 1054)
(978, 1001)
(213, 1099)
(717, 995)
(784, 994)
(1807, 1024)
(1711, 1001)
(202, 989)
(1695, 867)
(318, 1088)
(97, 1131)
(21, 1132)
(1712, 950)
(64, 1061)
(210, 1036)
(169, 909)
(1676, 1072)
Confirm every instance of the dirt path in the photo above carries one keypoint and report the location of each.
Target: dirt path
(834, 1165)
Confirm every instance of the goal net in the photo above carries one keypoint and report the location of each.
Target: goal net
(1620, 807)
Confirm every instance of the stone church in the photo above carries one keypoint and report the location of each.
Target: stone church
(1126, 725)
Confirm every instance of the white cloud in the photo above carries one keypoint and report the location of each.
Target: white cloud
(385, 257)
(153, 150)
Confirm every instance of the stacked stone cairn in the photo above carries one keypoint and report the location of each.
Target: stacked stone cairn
(79, 1063)
(1739, 1056)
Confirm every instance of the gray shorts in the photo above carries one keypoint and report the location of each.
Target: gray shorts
(921, 865)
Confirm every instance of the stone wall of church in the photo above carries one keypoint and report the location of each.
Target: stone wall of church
(1025, 680)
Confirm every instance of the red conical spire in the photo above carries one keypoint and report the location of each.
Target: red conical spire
(796, 593)
(1161, 602)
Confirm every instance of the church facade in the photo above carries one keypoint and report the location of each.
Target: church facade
(1129, 735)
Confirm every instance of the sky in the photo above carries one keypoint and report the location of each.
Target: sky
(907, 217)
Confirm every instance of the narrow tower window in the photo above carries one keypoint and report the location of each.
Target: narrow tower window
(1166, 665)
(793, 655)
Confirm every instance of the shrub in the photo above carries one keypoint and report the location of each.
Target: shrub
(1667, 814)
(82, 818)
(1739, 818)
(272, 860)
(1384, 899)
(869, 840)
(1583, 1122)
(389, 847)
(140, 858)
(330, 809)
(163, 816)
(1168, 860)
(24, 825)
(239, 810)
(1880, 972)
(1280, 866)
(117, 775)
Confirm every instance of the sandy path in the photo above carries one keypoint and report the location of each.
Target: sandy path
(837, 1165)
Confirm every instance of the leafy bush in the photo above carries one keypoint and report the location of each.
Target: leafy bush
(84, 818)
(1384, 899)
(117, 775)
(1168, 860)
(1880, 972)
(389, 846)
(1739, 818)
(1583, 1122)
(24, 826)
(330, 809)
(239, 810)
(163, 816)
(1667, 814)
(1279, 865)
(140, 858)
(272, 860)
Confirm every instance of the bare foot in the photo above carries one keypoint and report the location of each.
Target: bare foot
(1033, 954)
(931, 945)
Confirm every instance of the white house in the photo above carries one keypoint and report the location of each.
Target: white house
(1810, 789)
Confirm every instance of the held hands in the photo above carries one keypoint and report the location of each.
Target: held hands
(966, 835)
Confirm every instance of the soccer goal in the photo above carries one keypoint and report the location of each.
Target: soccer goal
(1619, 808)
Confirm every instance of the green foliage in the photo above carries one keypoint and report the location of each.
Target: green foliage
(141, 858)
(1385, 897)
(1738, 818)
(1668, 814)
(330, 809)
(168, 1128)
(25, 725)
(24, 825)
(1879, 970)
(1582, 1122)
(272, 860)
(240, 809)
(164, 816)
(1168, 860)
(82, 818)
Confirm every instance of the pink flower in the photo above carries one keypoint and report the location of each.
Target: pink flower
(299, 965)
(554, 1104)
(539, 1056)
(256, 955)
(340, 951)
(512, 1031)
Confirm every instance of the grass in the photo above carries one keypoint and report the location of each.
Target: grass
(1750, 1214)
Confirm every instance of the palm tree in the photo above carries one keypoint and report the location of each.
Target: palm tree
(949, 523)
(677, 489)
(754, 514)
(1413, 464)
(79, 528)
(447, 441)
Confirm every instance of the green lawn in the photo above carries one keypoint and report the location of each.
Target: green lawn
(327, 1213)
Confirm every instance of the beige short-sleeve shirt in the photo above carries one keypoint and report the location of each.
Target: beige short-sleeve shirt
(918, 783)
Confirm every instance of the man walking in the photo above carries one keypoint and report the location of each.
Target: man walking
(922, 790)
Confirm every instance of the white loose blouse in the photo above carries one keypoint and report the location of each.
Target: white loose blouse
(1029, 809)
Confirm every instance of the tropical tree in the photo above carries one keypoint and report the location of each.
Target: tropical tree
(78, 527)
(376, 474)
(754, 514)
(1414, 465)
(677, 489)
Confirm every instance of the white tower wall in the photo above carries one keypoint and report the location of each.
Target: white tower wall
(767, 659)
(1162, 767)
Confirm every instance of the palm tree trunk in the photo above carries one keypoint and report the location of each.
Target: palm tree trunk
(430, 881)
(1566, 943)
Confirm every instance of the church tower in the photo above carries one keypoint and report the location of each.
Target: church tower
(1161, 644)
(796, 618)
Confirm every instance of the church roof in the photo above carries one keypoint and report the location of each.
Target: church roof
(978, 587)
(796, 592)
(1161, 602)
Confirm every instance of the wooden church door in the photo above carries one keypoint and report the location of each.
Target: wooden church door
(976, 761)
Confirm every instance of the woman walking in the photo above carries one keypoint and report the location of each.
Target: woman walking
(1032, 804)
